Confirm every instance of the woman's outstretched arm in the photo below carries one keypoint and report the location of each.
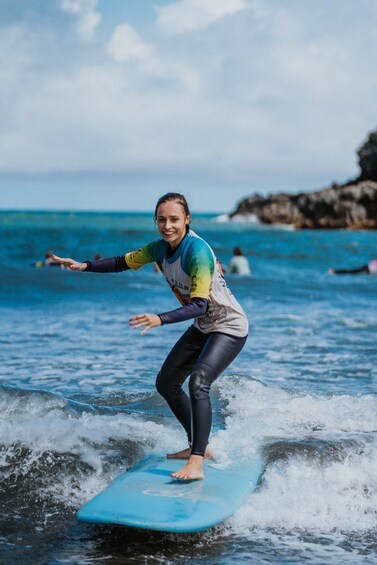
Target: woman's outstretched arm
(109, 265)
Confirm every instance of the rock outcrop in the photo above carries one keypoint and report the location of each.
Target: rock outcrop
(368, 158)
(352, 205)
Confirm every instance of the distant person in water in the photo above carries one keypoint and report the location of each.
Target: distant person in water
(49, 261)
(369, 269)
(217, 335)
(238, 263)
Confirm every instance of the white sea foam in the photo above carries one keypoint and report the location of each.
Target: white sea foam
(305, 485)
(251, 404)
(305, 494)
(93, 440)
(245, 219)
(222, 219)
(354, 324)
(292, 317)
(280, 355)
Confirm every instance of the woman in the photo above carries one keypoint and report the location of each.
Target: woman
(217, 335)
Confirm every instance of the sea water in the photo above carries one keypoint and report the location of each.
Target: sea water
(78, 404)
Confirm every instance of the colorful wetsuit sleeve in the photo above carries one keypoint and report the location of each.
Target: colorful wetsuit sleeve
(137, 259)
(197, 307)
(200, 267)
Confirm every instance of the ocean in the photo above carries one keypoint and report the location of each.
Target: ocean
(78, 404)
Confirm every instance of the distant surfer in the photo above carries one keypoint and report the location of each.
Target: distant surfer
(239, 263)
(369, 269)
(49, 261)
(209, 345)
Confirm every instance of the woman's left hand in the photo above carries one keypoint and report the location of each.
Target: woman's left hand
(148, 321)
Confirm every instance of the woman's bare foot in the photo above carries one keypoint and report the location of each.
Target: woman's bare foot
(185, 454)
(193, 471)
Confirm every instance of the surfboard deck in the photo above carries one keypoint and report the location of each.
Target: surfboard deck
(148, 497)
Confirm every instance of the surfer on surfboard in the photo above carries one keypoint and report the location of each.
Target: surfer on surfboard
(209, 345)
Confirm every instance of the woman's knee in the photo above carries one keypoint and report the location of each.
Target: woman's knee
(200, 382)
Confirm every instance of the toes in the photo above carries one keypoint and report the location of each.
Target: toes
(181, 475)
(186, 476)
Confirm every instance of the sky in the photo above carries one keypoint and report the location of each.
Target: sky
(107, 104)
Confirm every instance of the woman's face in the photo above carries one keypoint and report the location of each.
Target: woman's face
(171, 222)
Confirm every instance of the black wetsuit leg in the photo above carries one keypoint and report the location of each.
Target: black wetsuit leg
(363, 269)
(174, 372)
(204, 357)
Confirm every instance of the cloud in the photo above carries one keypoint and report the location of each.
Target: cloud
(276, 94)
(18, 51)
(87, 16)
(126, 44)
(192, 15)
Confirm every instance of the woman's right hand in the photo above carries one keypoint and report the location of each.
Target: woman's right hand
(70, 263)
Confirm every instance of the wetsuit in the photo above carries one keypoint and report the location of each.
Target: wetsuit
(370, 268)
(208, 346)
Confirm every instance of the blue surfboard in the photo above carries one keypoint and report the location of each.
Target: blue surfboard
(148, 497)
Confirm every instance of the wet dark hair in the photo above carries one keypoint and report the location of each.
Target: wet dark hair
(237, 251)
(173, 197)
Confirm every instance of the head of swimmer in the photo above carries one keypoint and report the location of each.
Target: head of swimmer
(172, 217)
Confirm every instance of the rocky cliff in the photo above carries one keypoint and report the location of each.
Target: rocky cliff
(351, 205)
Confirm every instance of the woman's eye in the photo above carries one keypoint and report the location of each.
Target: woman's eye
(164, 220)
